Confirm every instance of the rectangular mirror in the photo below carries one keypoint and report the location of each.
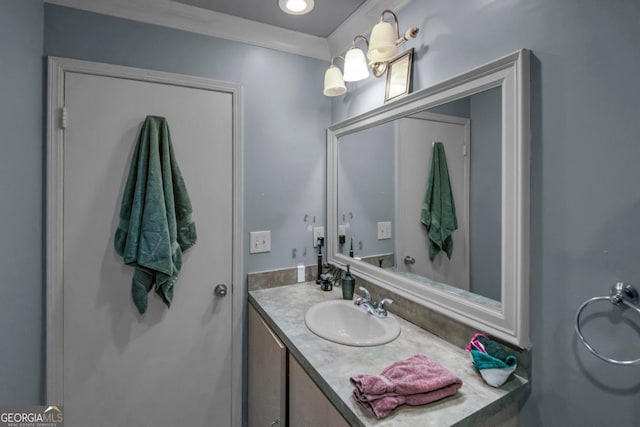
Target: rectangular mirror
(378, 175)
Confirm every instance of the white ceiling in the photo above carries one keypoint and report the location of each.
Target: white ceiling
(325, 17)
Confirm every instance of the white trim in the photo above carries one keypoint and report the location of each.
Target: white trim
(54, 231)
(201, 21)
(196, 20)
(57, 67)
(511, 323)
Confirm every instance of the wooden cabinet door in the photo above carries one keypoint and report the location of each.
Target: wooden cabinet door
(267, 375)
(308, 407)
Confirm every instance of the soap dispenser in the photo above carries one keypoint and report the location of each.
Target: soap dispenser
(348, 284)
(320, 267)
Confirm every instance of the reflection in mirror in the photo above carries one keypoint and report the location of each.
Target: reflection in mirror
(383, 176)
(378, 178)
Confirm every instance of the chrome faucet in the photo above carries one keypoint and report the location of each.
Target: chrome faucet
(375, 308)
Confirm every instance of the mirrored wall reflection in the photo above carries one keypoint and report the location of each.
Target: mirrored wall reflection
(384, 177)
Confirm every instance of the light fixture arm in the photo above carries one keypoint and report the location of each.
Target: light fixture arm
(360, 36)
(334, 57)
(411, 33)
(395, 19)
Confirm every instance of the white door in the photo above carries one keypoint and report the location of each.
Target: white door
(170, 366)
(417, 134)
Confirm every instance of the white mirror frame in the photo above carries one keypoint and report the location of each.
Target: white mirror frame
(510, 322)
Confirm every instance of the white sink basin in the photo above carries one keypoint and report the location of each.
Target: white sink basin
(344, 322)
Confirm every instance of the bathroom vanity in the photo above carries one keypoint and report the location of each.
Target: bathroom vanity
(298, 378)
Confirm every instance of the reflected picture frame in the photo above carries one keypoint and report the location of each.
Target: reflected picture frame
(399, 74)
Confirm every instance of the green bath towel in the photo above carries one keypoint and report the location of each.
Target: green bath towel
(155, 216)
(438, 209)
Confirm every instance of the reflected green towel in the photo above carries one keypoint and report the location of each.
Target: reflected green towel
(438, 209)
(155, 215)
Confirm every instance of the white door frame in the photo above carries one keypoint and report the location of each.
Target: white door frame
(56, 120)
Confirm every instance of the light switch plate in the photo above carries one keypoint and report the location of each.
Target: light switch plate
(260, 241)
(384, 230)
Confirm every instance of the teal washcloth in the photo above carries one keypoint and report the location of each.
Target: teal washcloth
(494, 363)
(486, 361)
(156, 225)
(438, 209)
(494, 349)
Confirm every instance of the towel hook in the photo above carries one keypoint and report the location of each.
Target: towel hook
(620, 293)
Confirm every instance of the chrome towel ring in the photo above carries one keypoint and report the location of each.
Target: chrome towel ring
(620, 293)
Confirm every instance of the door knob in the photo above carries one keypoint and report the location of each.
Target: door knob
(220, 290)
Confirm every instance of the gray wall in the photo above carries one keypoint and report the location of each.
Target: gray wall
(485, 190)
(366, 188)
(585, 197)
(458, 108)
(21, 310)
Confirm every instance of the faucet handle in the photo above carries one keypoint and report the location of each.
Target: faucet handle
(385, 301)
(380, 307)
(366, 293)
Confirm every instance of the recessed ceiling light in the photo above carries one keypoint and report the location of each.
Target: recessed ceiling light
(296, 7)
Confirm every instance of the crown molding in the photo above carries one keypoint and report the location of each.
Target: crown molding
(180, 16)
(196, 20)
(360, 22)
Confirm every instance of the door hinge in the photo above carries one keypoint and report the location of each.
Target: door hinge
(64, 118)
(464, 150)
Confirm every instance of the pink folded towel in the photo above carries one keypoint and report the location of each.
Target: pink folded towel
(417, 380)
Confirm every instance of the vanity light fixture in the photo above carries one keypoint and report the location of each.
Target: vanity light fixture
(333, 80)
(296, 7)
(380, 50)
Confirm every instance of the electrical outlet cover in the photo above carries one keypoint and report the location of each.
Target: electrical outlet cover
(317, 232)
(384, 230)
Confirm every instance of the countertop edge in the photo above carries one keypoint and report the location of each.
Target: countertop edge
(495, 407)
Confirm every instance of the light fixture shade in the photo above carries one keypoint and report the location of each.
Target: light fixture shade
(355, 65)
(382, 46)
(333, 82)
(296, 7)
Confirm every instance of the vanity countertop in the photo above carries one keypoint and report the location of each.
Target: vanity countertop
(330, 365)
